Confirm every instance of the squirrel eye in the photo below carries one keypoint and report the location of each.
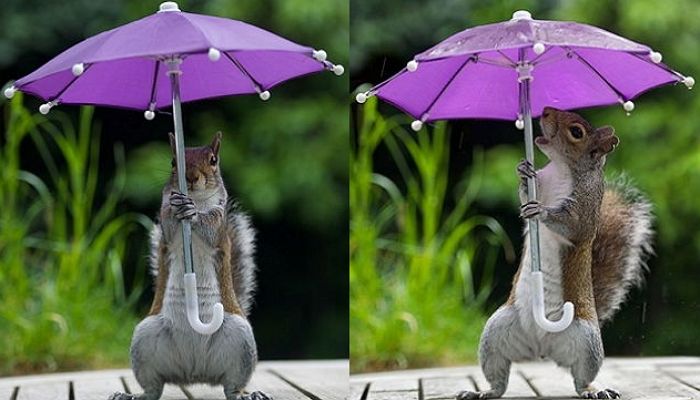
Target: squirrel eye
(213, 160)
(576, 132)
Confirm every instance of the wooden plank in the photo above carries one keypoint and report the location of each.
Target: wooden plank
(357, 389)
(96, 389)
(6, 392)
(393, 385)
(206, 392)
(644, 384)
(410, 395)
(546, 378)
(264, 381)
(517, 385)
(443, 388)
(170, 392)
(324, 383)
(46, 391)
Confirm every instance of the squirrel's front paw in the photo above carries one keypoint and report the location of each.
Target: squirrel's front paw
(532, 209)
(182, 206)
(526, 170)
(600, 394)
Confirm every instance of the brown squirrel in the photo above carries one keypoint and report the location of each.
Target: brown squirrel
(164, 348)
(594, 242)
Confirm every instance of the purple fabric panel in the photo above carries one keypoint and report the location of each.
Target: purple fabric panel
(272, 67)
(413, 92)
(479, 91)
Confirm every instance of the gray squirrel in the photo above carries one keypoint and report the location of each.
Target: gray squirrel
(594, 242)
(164, 348)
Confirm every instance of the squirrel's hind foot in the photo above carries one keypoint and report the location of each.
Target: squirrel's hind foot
(600, 394)
(486, 394)
(250, 396)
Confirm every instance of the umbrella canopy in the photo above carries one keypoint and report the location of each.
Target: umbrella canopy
(512, 70)
(474, 73)
(126, 66)
(163, 60)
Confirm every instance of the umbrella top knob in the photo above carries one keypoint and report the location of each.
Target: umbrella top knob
(167, 6)
(522, 14)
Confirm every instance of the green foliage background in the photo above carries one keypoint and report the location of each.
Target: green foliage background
(285, 160)
(660, 150)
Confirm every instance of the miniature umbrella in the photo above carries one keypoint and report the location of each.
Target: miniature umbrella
(165, 59)
(512, 70)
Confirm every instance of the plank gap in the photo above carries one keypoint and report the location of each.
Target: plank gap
(680, 380)
(473, 381)
(530, 384)
(71, 391)
(187, 393)
(126, 385)
(15, 393)
(365, 392)
(295, 386)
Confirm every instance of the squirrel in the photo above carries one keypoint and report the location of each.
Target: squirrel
(164, 348)
(595, 238)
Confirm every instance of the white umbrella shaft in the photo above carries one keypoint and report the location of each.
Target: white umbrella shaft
(190, 278)
(538, 309)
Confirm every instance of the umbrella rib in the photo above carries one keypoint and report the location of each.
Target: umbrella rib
(245, 72)
(75, 78)
(444, 88)
(592, 68)
(155, 80)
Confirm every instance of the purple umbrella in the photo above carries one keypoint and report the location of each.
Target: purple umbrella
(512, 70)
(165, 59)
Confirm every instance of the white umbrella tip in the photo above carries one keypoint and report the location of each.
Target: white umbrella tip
(78, 69)
(167, 6)
(338, 69)
(655, 57)
(522, 14)
(10, 92)
(417, 125)
(412, 65)
(149, 115)
(214, 54)
(361, 98)
(45, 108)
(688, 81)
(320, 55)
(264, 96)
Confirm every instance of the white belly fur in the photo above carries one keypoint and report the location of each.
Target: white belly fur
(554, 185)
(207, 284)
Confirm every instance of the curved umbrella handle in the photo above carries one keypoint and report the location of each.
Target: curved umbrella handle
(193, 309)
(538, 308)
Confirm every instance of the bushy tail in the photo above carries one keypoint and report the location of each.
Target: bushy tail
(242, 260)
(622, 245)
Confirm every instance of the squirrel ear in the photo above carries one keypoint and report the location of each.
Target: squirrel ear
(216, 143)
(171, 137)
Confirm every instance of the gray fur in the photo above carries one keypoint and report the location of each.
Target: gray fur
(579, 349)
(242, 261)
(631, 262)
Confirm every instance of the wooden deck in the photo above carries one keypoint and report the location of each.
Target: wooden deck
(635, 378)
(283, 380)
